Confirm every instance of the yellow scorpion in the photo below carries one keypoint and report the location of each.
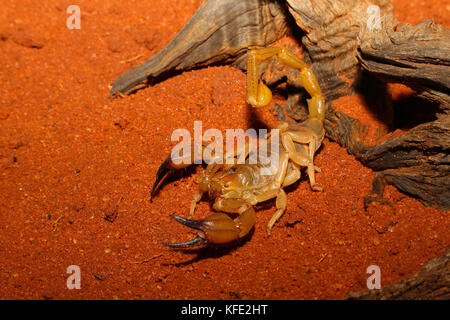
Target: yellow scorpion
(235, 188)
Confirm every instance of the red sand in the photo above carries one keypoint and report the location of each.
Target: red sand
(76, 169)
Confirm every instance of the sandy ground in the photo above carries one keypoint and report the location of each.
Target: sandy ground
(76, 168)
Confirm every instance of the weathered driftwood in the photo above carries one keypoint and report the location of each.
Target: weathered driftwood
(418, 56)
(220, 32)
(339, 39)
(432, 282)
(418, 161)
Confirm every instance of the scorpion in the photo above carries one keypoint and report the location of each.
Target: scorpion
(235, 188)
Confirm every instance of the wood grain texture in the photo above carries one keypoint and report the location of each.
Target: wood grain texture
(418, 161)
(418, 56)
(333, 29)
(220, 32)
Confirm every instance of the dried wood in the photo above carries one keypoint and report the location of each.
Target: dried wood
(418, 161)
(220, 32)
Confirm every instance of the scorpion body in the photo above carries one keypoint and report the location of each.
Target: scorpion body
(235, 188)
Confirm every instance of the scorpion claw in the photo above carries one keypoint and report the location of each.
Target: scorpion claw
(160, 175)
(216, 228)
(194, 224)
(197, 241)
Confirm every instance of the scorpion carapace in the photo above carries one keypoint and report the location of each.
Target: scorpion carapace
(236, 187)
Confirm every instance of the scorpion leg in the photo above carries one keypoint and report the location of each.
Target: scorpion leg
(281, 203)
(197, 197)
(281, 200)
(277, 191)
(282, 168)
(218, 227)
(301, 159)
(293, 175)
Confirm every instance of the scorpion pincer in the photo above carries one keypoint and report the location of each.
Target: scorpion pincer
(235, 188)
